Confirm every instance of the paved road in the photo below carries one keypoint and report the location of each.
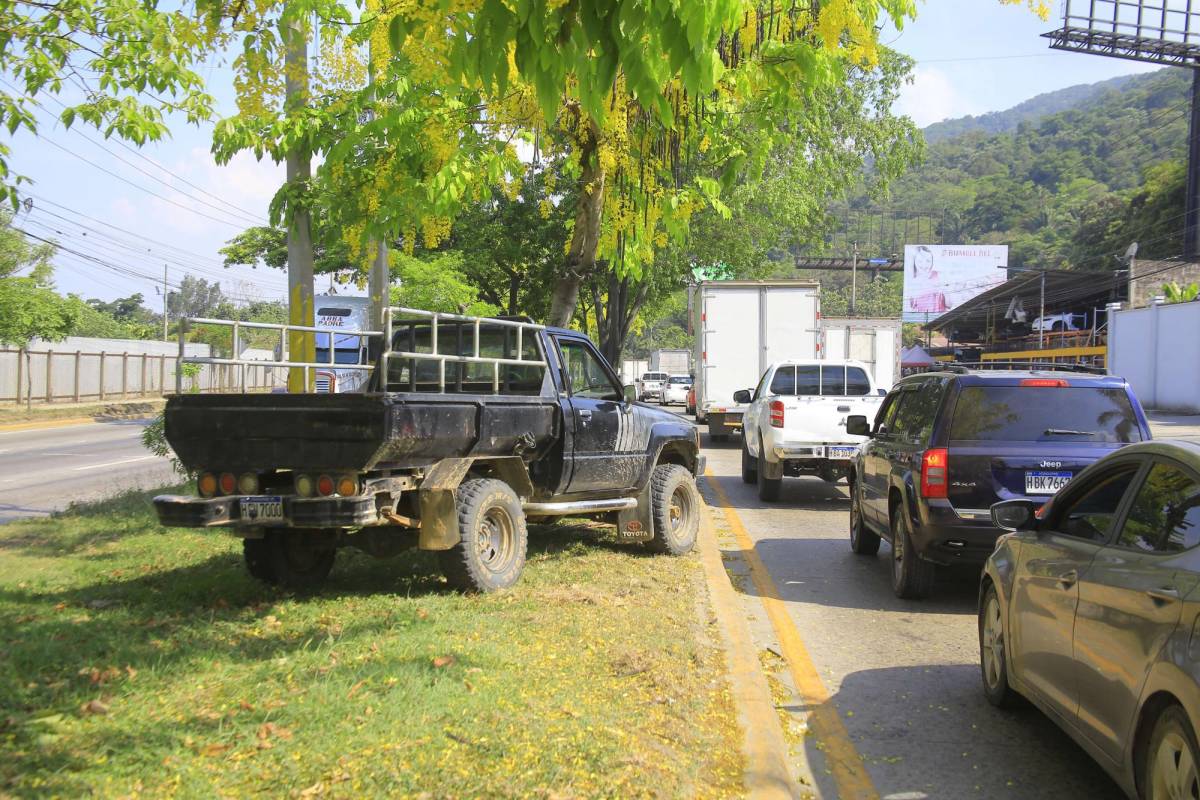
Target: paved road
(44, 470)
(903, 675)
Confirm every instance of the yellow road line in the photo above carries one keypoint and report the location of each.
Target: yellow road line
(842, 756)
(49, 423)
(767, 775)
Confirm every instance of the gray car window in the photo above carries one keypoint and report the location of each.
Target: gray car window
(1090, 515)
(1165, 514)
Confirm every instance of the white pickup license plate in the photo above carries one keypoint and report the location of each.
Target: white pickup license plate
(261, 509)
(1045, 482)
(841, 453)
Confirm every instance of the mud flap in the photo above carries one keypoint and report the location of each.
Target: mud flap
(439, 504)
(637, 524)
(439, 519)
(772, 470)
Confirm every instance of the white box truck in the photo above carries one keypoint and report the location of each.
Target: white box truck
(672, 362)
(632, 369)
(351, 313)
(873, 342)
(740, 328)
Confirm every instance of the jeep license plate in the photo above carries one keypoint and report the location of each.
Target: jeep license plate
(841, 453)
(1045, 482)
(261, 509)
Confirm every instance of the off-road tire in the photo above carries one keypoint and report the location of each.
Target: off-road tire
(676, 507)
(996, 689)
(863, 540)
(297, 562)
(749, 464)
(490, 554)
(912, 576)
(256, 556)
(768, 488)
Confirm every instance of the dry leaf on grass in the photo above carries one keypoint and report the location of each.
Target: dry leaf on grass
(93, 707)
(442, 661)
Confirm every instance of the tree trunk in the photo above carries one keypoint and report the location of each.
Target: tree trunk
(581, 256)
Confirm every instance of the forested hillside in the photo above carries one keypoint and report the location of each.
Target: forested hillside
(1070, 189)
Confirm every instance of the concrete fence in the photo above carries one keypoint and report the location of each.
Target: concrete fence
(81, 370)
(1157, 349)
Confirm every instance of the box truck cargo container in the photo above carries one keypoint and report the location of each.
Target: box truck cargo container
(873, 342)
(740, 328)
(672, 362)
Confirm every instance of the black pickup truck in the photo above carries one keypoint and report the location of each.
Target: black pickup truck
(468, 427)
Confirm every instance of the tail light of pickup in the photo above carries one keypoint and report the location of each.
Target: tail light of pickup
(777, 412)
(934, 474)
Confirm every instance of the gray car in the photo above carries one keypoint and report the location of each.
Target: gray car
(1090, 609)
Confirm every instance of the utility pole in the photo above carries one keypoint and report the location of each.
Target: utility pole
(1191, 230)
(164, 302)
(301, 344)
(1042, 314)
(854, 281)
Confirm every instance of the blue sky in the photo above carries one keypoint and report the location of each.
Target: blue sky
(973, 56)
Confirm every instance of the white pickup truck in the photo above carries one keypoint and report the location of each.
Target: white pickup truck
(796, 422)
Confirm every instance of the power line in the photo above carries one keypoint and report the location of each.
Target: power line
(250, 216)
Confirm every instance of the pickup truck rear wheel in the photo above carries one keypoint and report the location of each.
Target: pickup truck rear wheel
(299, 560)
(257, 558)
(749, 466)
(768, 488)
(491, 553)
(675, 505)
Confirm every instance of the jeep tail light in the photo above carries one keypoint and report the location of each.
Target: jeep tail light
(1045, 383)
(228, 483)
(934, 478)
(776, 413)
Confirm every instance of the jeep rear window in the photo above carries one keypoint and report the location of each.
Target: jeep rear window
(1044, 414)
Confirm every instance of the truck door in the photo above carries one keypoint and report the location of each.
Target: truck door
(608, 446)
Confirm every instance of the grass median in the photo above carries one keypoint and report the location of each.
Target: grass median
(144, 662)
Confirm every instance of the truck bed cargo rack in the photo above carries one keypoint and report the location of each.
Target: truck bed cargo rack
(393, 318)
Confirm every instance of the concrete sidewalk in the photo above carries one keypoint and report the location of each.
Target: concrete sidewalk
(1165, 425)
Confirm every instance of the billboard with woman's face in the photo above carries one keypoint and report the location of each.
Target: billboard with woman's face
(939, 277)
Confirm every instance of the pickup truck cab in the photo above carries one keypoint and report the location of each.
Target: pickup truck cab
(651, 385)
(468, 426)
(796, 422)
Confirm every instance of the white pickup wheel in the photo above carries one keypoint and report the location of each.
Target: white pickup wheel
(491, 552)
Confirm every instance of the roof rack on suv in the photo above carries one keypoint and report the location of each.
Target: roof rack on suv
(967, 366)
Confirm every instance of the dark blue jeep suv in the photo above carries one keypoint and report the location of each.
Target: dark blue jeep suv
(946, 445)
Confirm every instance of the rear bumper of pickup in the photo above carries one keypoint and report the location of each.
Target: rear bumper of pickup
(186, 511)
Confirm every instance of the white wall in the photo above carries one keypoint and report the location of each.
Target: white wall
(1157, 349)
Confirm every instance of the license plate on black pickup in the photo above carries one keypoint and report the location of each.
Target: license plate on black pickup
(261, 509)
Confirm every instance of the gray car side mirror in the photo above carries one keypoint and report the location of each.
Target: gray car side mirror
(857, 425)
(1015, 515)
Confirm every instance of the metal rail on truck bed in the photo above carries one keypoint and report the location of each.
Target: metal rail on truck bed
(393, 318)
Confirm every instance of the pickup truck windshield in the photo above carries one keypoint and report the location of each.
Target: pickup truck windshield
(680, 379)
(1040, 414)
(825, 380)
(413, 375)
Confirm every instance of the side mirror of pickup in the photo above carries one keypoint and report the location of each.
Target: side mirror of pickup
(741, 396)
(630, 393)
(857, 425)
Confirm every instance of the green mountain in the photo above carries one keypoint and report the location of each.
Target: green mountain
(1070, 188)
(1029, 111)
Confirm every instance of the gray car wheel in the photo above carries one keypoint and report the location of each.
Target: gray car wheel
(993, 661)
(1170, 770)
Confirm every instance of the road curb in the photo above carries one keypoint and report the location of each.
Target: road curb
(763, 744)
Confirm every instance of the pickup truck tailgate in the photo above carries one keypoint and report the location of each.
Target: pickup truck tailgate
(350, 431)
(823, 419)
